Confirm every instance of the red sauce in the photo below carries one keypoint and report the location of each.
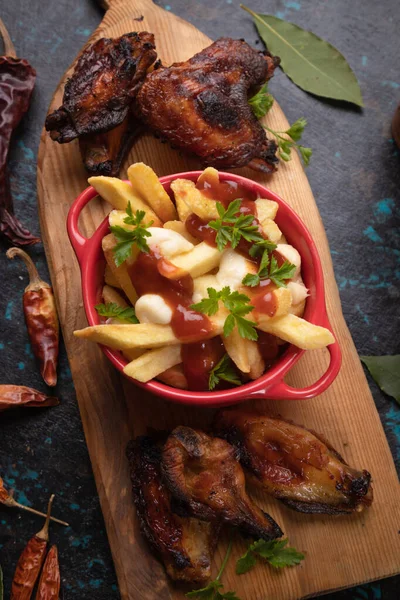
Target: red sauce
(268, 346)
(265, 301)
(200, 229)
(225, 191)
(198, 360)
(153, 274)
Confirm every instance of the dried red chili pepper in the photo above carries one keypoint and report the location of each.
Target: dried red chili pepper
(41, 318)
(17, 80)
(7, 499)
(30, 562)
(13, 396)
(49, 583)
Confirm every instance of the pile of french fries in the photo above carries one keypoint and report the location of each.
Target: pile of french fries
(152, 349)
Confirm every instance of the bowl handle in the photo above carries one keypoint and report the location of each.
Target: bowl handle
(283, 391)
(78, 240)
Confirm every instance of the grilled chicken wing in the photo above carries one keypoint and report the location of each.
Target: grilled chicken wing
(185, 544)
(294, 464)
(103, 153)
(204, 473)
(201, 105)
(106, 78)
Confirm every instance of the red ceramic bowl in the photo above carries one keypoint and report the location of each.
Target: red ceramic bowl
(271, 385)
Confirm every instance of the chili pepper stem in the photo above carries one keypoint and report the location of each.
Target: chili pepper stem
(44, 532)
(9, 49)
(14, 504)
(35, 282)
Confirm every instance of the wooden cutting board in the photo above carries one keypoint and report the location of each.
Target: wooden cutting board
(340, 551)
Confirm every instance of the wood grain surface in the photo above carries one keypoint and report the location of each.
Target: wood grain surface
(340, 551)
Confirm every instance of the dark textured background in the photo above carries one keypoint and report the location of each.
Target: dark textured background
(354, 174)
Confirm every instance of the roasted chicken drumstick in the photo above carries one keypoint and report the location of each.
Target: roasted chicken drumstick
(99, 94)
(200, 105)
(185, 544)
(204, 473)
(294, 464)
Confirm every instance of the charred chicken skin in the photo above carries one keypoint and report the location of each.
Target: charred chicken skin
(200, 105)
(185, 544)
(99, 94)
(203, 472)
(293, 464)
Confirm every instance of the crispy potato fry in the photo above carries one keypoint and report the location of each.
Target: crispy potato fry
(256, 361)
(203, 207)
(147, 185)
(183, 209)
(180, 227)
(119, 193)
(283, 299)
(298, 309)
(266, 209)
(125, 337)
(110, 279)
(110, 294)
(271, 230)
(120, 273)
(175, 377)
(153, 362)
(210, 175)
(202, 259)
(236, 347)
(297, 331)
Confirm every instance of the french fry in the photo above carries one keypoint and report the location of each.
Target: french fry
(175, 377)
(110, 294)
(119, 193)
(297, 331)
(153, 362)
(125, 337)
(210, 175)
(120, 273)
(147, 185)
(109, 278)
(183, 209)
(236, 347)
(283, 300)
(256, 361)
(180, 227)
(198, 203)
(266, 209)
(202, 259)
(271, 230)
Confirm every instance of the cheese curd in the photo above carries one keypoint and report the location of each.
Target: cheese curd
(152, 308)
(169, 242)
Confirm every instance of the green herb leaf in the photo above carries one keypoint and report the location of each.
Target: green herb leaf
(251, 280)
(261, 102)
(305, 154)
(279, 275)
(224, 370)
(232, 226)
(127, 237)
(259, 247)
(275, 552)
(114, 311)
(385, 370)
(285, 145)
(238, 306)
(311, 63)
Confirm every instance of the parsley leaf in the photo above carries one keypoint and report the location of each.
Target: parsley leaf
(294, 134)
(261, 102)
(238, 306)
(214, 590)
(224, 370)
(112, 310)
(127, 237)
(275, 552)
(269, 269)
(232, 226)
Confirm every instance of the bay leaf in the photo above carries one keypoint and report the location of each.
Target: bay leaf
(385, 370)
(311, 63)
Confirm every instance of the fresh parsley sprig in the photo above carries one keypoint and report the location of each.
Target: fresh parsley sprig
(127, 237)
(269, 269)
(224, 370)
(294, 134)
(114, 311)
(231, 226)
(261, 102)
(238, 306)
(275, 552)
(214, 590)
